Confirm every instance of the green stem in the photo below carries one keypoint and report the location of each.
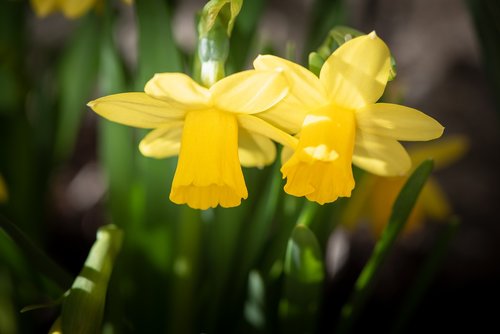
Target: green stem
(308, 213)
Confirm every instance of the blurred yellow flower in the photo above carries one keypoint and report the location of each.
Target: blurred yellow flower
(372, 202)
(70, 8)
(342, 124)
(212, 130)
(4, 195)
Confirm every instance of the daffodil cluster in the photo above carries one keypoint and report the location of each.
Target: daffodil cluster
(326, 124)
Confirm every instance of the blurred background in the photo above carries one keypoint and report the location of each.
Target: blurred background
(448, 63)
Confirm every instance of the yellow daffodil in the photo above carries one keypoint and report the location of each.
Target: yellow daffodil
(343, 124)
(212, 130)
(373, 202)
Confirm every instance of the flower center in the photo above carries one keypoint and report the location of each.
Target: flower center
(208, 171)
(320, 168)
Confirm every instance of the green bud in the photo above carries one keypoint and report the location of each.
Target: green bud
(224, 11)
(214, 29)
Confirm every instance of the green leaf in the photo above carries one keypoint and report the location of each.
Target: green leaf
(400, 212)
(157, 50)
(77, 75)
(303, 281)
(84, 302)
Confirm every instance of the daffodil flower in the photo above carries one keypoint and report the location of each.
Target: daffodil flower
(212, 130)
(341, 122)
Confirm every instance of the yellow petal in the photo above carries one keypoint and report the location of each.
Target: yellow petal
(43, 8)
(397, 122)
(445, 151)
(255, 150)
(258, 126)
(306, 93)
(380, 156)
(434, 201)
(162, 142)
(286, 154)
(249, 92)
(382, 197)
(356, 73)
(355, 212)
(320, 168)
(136, 109)
(285, 116)
(383, 193)
(305, 86)
(179, 90)
(208, 171)
(76, 8)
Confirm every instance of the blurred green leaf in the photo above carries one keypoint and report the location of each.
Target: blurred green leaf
(11, 56)
(8, 321)
(117, 148)
(254, 309)
(83, 305)
(153, 215)
(242, 37)
(425, 275)
(325, 15)
(35, 255)
(77, 74)
(485, 14)
(157, 50)
(303, 282)
(186, 270)
(400, 212)
(256, 234)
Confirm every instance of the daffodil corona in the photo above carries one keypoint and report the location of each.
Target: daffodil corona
(213, 130)
(342, 123)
